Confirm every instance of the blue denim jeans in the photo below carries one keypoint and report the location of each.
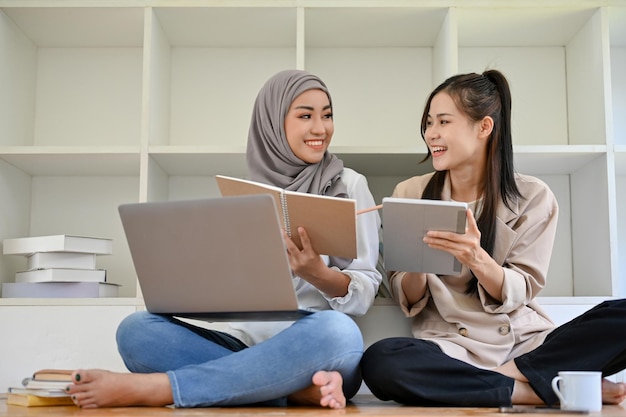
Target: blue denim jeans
(211, 368)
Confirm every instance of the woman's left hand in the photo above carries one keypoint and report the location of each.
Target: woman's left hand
(463, 246)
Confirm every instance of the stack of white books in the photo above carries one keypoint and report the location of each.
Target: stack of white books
(59, 266)
(46, 387)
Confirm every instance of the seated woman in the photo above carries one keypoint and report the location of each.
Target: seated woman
(481, 339)
(314, 360)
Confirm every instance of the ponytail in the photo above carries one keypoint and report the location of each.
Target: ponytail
(478, 96)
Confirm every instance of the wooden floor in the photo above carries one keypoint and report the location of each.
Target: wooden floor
(364, 405)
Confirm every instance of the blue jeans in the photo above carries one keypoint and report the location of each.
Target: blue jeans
(211, 368)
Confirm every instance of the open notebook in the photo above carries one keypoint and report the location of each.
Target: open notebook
(329, 221)
(211, 259)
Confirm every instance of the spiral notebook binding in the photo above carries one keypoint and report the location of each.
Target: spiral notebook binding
(283, 204)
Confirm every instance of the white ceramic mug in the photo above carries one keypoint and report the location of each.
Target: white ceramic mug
(579, 390)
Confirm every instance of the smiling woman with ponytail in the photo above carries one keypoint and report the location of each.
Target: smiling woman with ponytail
(481, 339)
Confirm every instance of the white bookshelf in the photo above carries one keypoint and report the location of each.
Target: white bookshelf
(107, 102)
(72, 126)
(111, 102)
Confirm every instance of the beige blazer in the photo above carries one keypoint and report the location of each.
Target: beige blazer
(480, 330)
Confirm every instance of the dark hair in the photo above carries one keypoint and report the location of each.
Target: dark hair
(478, 96)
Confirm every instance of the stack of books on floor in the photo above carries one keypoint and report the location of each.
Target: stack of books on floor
(59, 266)
(44, 388)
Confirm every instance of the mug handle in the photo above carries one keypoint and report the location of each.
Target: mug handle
(557, 391)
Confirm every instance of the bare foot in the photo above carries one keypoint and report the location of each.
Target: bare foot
(94, 388)
(326, 390)
(613, 392)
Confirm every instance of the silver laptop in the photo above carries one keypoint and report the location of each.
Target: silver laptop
(214, 259)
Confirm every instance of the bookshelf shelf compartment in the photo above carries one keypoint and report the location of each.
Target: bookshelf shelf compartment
(538, 160)
(77, 76)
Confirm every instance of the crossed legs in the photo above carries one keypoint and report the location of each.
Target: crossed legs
(314, 361)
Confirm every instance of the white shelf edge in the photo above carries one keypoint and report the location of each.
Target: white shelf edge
(110, 301)
(68, 150)
(138, 301)
(557, 300)
(386, 150)
(63, 160)
(383, 150)
(72, 3)
(572, 300)
(277, 3)
(573, 149)
(194, 149)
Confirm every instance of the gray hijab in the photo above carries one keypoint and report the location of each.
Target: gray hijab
(269, 156)
(270, 159)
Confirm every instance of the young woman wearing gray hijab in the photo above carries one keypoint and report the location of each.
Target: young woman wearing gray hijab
(314, 360)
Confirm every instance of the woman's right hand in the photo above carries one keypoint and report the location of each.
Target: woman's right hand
(309, 265)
